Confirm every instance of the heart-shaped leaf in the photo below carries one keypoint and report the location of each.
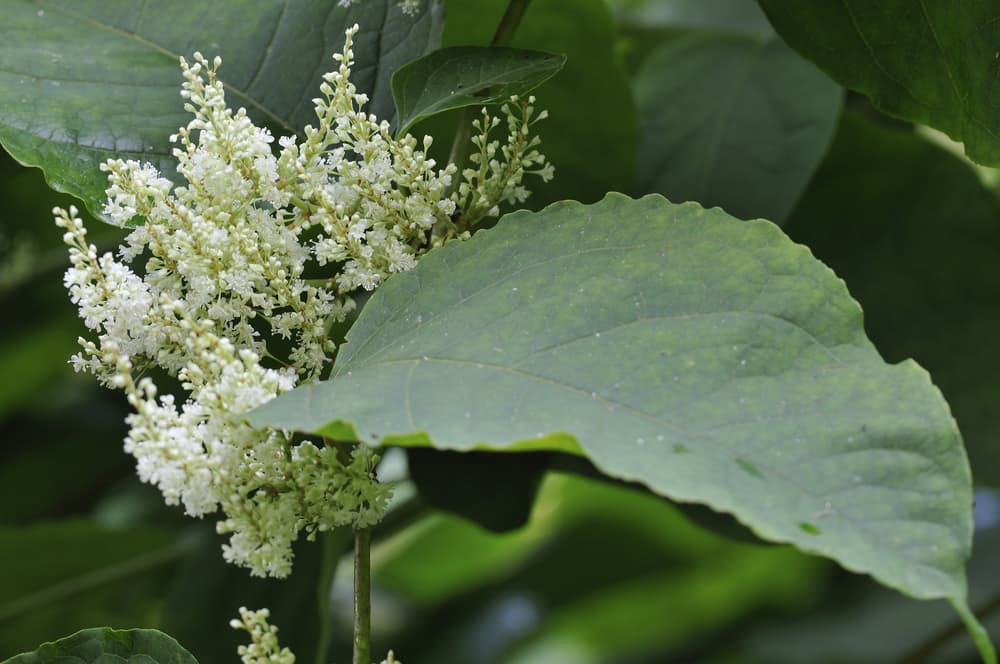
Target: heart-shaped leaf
(103, 644)
(83, 82)
(463, 76)
(710, 359)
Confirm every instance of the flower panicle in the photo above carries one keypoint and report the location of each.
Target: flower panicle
(210, 287)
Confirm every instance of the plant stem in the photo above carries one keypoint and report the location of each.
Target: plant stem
(502, 37)
(923, 651)
(508, 24)
(362, 596)
(331, 553)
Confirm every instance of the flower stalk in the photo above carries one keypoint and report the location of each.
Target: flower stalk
(362, 596)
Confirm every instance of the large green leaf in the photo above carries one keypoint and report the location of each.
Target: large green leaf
(100, 645)
(931, 62)
(734, 121)
(83, 81)
(590, 136)
(917, 237)
(461, 76)
(712, 360)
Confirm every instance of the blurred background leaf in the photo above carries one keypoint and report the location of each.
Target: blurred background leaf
(206, 594)
(734, 121)
(62, 576)
(603, 572)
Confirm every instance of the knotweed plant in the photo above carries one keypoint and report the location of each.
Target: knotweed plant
(232, 281)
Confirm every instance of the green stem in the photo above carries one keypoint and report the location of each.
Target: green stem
(362, 596)
(331, 555)
(924, 650)
(508, 24)
(463, 135)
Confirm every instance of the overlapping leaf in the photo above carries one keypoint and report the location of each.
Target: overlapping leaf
(463, 76)
(81, 82)
(712, 360)
(935, 63)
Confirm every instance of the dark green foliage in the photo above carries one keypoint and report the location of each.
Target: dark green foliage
(662, 349)
(931, 62)
(735, 121)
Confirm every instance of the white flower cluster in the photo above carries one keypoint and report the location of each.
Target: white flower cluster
(495, 181)
(221, 301)
(263, 648)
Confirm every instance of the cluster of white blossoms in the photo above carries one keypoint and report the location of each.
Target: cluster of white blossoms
(222, 303)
